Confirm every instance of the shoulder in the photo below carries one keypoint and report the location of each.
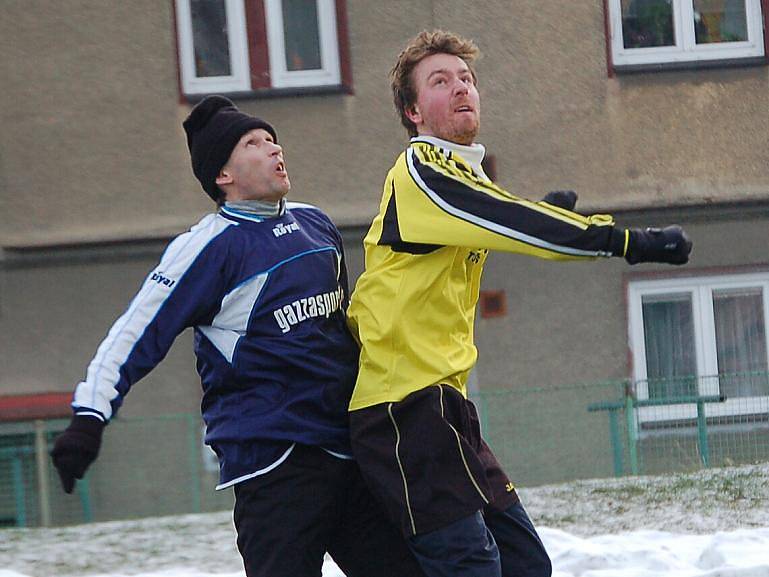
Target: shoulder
(207, 232)
(300, 206)
(304, 211)
(314, 219)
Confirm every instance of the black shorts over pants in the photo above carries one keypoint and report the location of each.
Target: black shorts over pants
(310, 504)
(424, 459)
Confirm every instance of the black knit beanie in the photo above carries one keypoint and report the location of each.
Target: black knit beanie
(213, 129)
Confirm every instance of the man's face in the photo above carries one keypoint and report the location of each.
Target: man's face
(255, 169)
(448, 105)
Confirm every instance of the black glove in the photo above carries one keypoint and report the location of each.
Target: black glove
(76, 448)
(566, 199)
(669, 244)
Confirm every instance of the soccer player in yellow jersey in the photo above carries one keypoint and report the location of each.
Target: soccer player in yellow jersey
(414, 433)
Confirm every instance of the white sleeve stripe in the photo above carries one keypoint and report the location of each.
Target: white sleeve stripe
(487, 224)
(99, 388)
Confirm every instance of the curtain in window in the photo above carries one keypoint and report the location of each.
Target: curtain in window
(647, 23)
(671, 362)
(741, 342)
(209, 32)
(302, 36)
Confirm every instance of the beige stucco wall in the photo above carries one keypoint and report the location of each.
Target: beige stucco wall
(567, 321)
(91, 145)
(91, 148)
(90, 142)
(54, 314)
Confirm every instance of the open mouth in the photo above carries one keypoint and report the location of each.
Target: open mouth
(280, 168)
(464, 108)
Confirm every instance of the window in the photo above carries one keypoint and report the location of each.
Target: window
(701, 336)
(645, 32)
(248, 45)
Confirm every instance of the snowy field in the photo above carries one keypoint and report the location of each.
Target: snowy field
(709, 524)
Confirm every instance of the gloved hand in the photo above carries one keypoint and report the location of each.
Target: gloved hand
(76, 448)
(566, 199)
(670, 245)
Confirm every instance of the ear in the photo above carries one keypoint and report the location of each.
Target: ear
(224, 178)
(413, 114)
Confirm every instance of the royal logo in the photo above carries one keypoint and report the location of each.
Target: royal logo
(282, 229)
(160, 279)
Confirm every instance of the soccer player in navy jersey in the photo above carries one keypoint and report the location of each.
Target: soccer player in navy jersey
(263, 284)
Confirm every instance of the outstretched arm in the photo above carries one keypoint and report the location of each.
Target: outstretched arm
(181, 291)
(437, 199)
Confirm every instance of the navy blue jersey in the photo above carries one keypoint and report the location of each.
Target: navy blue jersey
(267, 300)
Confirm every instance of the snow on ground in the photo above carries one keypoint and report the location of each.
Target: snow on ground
(713, 523)
(703, 502)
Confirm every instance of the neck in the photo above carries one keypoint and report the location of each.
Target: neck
(261, 208)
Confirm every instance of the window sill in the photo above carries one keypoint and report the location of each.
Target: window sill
(627, 69)
(717, 424)
(265, 93)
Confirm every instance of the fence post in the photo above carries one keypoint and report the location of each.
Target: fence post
(702, 432)
(84, 492)
(41, 458)
(631, 432)
(194, 460)
(18, 491)
(616, 443)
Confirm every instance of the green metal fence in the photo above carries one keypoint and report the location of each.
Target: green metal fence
(617, 428)
(147, 467)
(159, 465)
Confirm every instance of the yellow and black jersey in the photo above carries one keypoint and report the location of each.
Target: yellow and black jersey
(413, 308)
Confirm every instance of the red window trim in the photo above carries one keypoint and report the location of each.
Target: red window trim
(258, 55)
(765, 13)
(175, 22)
(607, 39)
(258, 48)
(343, 39)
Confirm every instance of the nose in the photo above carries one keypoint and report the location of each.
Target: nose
(460, 87)
(277, 148)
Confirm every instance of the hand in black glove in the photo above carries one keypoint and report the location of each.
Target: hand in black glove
(669, 244)
(566, 199)
(76, 448)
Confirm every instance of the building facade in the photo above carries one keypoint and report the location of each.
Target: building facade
(652, 110)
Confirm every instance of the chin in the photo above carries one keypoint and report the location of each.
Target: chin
(465, 138)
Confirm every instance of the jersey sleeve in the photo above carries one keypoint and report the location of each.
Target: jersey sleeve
(184, 289)
(437, 200)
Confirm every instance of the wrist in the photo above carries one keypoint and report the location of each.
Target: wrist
(88, 425)
(619, 242)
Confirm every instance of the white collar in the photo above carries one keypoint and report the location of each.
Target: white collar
(472, 153)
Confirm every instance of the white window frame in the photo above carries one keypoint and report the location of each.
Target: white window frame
(329, 74)
(686, 48)
(240, 79)
(701, 290)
